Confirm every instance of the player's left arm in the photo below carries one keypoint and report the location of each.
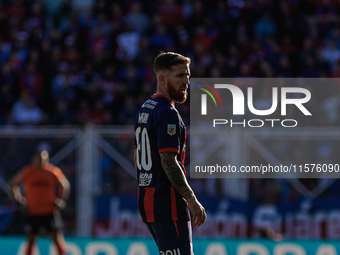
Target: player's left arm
(176, 175)
(169, 147)
(64, 184)
(179, 181)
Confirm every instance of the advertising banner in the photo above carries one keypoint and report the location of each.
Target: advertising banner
(304, 219)
(146, 246)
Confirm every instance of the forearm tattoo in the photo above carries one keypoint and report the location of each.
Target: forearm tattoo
(175, 174)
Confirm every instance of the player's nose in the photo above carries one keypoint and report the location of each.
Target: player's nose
(187, 80)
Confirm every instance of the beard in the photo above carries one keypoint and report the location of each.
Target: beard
(177, 95)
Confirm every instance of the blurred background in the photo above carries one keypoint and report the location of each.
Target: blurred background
(73, 75)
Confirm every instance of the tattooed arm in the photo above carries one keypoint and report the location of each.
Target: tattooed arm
(176, 175)
(179, 181)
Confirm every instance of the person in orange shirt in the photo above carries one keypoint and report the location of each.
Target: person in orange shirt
(42, 181)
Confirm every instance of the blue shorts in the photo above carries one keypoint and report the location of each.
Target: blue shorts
(172, 237)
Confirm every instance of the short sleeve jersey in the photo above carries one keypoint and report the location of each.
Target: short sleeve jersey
(40, 189)
(158, 129)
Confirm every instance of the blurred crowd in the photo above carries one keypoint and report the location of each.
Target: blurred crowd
(73, 67)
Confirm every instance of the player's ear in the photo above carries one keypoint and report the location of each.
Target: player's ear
(162, 79)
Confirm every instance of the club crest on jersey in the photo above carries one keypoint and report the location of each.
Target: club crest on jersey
(171, 129)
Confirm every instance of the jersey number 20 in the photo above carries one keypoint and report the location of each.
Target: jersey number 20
(143, 145)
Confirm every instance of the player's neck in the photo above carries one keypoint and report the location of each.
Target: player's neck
(40, 166)
(164, 93)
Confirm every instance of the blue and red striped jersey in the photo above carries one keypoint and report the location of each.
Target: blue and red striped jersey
(159, 128)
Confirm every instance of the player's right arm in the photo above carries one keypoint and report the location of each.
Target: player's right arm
(15, 183)
(179, 181)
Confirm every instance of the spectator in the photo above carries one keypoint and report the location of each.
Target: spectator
(6, 102)
(109, 85)
(330, 107)
(137, 19)
(203, 39)
(131, 79)
(63, 115)
(99, 115)
(61, 18)
(331, 54)
(171, 13)
(310, 68)
(116, 15)
(161, 39)
(83, 112)
(128, 44)
(8, 76)
(31, 81)
(26, 112)
(265, 27)
(87, 79)
(63, 85)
